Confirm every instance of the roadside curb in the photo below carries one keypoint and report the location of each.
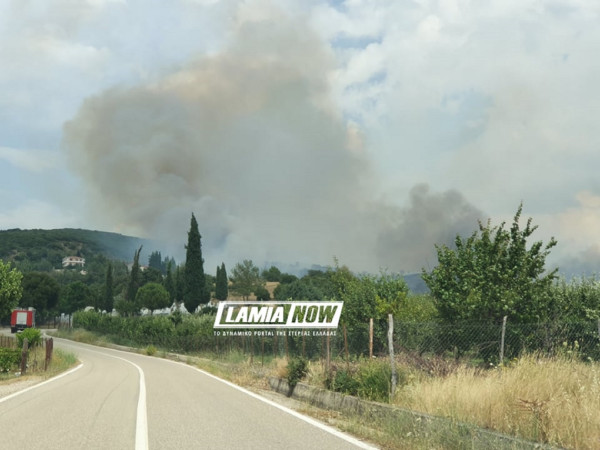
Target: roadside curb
(371, 411)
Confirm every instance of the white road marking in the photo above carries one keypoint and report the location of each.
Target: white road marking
(64, 374)
(141, 422)
(296, 414)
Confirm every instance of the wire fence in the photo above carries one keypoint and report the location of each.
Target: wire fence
(476, 342)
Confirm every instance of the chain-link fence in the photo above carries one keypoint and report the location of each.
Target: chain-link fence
(472, 341)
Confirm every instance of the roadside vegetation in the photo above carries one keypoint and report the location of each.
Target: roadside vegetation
(498, 342)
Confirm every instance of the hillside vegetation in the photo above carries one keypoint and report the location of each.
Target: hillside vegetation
(45, 249)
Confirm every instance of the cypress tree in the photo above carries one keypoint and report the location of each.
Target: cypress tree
(134, 277)
(169, 283)
(221, 289)
(195, 292)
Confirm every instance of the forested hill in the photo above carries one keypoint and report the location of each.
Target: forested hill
(47, 248)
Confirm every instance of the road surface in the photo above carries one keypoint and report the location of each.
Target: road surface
(120, 400)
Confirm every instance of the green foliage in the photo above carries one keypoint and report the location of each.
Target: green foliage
(246, 278)
(108, 295)
(370, 380)
(271, 274)
(169, 283)
(391, 293)
(10, 288)
(221, 283)
(262, 293)
(155, 261)
(33, 336)
(175, 332)
(579, 299)
(302, 289)
(40, 291)
(43, 250)
(297, 368)
(195, 292)
(491, 274)
(10, 358)
(152, 296)
(75, 296)
(135, 277)
(151, 350)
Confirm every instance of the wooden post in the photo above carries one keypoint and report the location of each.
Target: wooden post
(49, 351)
(502, 339)
(371, 337)
(391, 346)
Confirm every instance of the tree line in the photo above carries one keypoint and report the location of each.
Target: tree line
(496, 271)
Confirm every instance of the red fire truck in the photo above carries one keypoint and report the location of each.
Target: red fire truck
(21, 319)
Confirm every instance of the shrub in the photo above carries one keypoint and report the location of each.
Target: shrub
(344, 381)
(9, 358)
(151, 350)
(33, 336)
(297, 368)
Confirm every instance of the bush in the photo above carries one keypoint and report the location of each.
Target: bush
(9, 358)
(370, 380)
(33, 336)
(297, 368)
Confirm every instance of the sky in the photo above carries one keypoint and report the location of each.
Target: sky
(304, 131)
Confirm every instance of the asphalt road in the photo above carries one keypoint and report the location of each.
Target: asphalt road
(120, 400)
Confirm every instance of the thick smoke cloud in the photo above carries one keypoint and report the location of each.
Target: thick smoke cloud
(408, 236)
(249, 140)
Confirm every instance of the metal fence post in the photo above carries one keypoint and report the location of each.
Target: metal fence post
(502, 339)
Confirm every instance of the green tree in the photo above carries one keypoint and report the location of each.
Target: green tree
(246, 278)
(221, 285)
(108, 297)
(492, 274)
(135, 277)
(40, 291)
(75, 296)
(195, 292)
(169, 282)
(152, 296)
(10, 288)
(271, 274)
(155, 261)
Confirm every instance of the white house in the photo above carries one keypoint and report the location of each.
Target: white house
(73, 261)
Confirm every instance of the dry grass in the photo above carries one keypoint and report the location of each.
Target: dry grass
(550, 400)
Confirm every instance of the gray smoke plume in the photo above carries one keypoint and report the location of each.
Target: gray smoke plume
(409, 235)
(249, 140)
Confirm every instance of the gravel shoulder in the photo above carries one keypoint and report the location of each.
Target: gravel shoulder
(9, 387)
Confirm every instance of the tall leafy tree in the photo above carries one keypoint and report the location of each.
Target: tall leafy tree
(246, 278)
(221, 286)
(75, 296)
(152, 296)
(195, 292)
(10, 288)
(40, 291)
(493, 273)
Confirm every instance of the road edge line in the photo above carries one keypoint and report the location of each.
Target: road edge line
(42, 383)
(285, 409)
